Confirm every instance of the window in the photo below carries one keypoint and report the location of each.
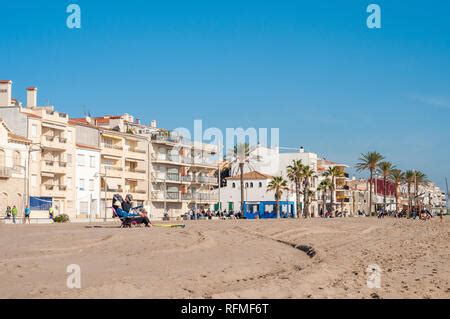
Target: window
(34, 130)
(251, 185)
(2, 158)
(234, 185)
(260, 184)
(34, 180)
(17, 159)
(69, 182)
(80, 160)
(81, 184)
(246, 185)
(91, 185)
(92, 161)
(84, 207)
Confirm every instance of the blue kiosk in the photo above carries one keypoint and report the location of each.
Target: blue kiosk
(262, 210)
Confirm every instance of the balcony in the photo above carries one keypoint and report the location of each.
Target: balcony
(200, 161)
(53, 190)
(115, 150)
(166, 158)
(5, 172)
(54, 142)
(207, 180)
(135, 153)
(138, 194)
(55, 116)
(166, 139)
(134, 173)
(55, 167)
(199, 197)
(112, 171)
(170, 196)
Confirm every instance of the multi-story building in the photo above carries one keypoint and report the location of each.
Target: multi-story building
(177, 174)
(87, 171)
(341, 193)
(52, 150)
(13, 169)
(123, 162)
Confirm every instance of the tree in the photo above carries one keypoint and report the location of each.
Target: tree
(385, 168)
(324, 186)
(397, 176)
(409, 179)
(278, 184)
(332, 172)
(295, 174)
(369, 161)
(308, 174)
(419, 180)
(241, 155)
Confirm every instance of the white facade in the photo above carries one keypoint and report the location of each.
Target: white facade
(87, 182)
(13, 170)
(255, 190)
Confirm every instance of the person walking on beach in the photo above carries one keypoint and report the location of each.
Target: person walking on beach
(27, 215)
(8, 212)
(14, 213)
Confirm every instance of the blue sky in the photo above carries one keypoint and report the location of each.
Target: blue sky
(312, 68)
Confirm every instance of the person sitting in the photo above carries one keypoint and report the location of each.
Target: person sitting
(136, 217)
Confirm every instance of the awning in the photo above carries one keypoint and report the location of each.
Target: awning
(53, 126)
(111, 157)
(112, 136)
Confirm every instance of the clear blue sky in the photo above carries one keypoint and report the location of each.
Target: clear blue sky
(312, 68)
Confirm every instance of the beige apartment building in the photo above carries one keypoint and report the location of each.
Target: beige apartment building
(51, 150)
(123, 162)
(160, 169)
(13, 169)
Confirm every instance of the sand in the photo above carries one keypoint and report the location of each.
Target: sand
(229, 259)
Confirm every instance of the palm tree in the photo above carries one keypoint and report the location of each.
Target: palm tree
(397, 176)
(419, 179)
(278, 184)
(369, 161)
(295, 174)
(409, 179)
(385, 168)
(324, 186)
(333, 172)
(241, 156)
(308, 174)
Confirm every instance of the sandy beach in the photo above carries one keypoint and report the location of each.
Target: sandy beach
(229, 259)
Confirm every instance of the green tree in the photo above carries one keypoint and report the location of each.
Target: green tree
(369, 161)
(397, 176)
(324, 187)
(295, 174)
(278, 184)
(332, 172)
(308, 175)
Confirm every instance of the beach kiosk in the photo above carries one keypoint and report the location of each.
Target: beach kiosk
(267, 209)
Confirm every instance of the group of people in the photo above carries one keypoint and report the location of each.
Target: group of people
(12, 212)
(125, 210)
(208, 214)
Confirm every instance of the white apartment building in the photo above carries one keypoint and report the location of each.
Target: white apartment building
(87, 182)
